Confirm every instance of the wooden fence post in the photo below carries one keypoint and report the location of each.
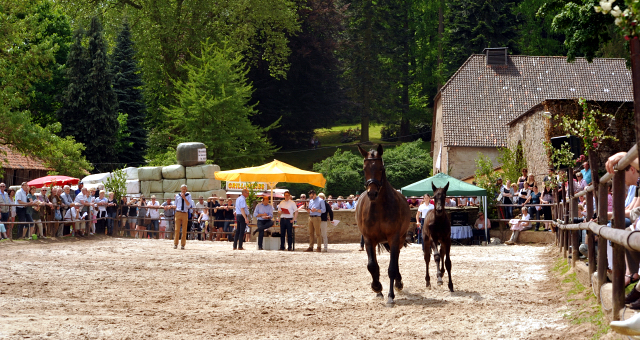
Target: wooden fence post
(603, 264)
(591, 243)
(619, 265)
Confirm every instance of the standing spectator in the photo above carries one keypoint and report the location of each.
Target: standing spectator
(288, 216)
(82, 199)
(153, 211)
(21, 210)
(551, 175)
(264, 214)
(123, 213)
(586, 172)
(547, 198)
(326, 217)
(56, 210)
(316, 209)
(101, 203)
(531, 180)
(609, 198)
(579, 183)
(133, 214)
(34, 211)
(169, 214)
(201, 205)
(93, 211)
(421, 215)
(242, 211)
(534, 198)
(72, 216)
(112, 213)
(217, 214)
(13, 211)
(45, 211)
(141, 223)
(229, 216)
(204, 222)
(302, 202)
(506, 199)
(524, 193)
(66, 201)
(183, 203)
(79, 190)
(522, 178)
(5, 200)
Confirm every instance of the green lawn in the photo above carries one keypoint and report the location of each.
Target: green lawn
(329, 143)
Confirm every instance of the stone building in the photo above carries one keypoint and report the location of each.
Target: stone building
(490, 90)
(540, 123)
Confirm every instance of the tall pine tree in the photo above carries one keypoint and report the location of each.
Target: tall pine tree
(127, 85)
(74, 100)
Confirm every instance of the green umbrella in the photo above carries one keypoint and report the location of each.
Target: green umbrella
(456, 187)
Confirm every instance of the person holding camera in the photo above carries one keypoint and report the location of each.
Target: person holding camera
(183, 203)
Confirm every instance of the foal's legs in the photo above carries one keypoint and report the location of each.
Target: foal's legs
(444, 249)
(436, 257)
(374, 269)
(427, 257)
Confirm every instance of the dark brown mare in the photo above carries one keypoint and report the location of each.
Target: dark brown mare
(382, 214)
(437, 231)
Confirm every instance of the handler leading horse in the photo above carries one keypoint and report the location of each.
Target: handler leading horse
(383, 218)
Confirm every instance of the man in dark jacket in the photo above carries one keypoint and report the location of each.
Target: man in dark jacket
(323, 221)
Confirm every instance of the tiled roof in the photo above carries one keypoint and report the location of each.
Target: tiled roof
(478, 100)
(14, 160)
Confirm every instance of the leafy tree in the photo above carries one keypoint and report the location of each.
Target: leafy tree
(476, 25)
(486, 178)
(23, 65)
(310, 96)
(535, 34)
(74, 97)
(117, 183)
(512, 161)
(407, 163)
(213, 108)
(343, 172)
(127, 85)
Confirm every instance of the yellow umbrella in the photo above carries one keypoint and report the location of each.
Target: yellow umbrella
(272, 173)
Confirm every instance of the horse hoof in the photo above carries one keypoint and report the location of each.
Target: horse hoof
(440, 283)
(390, 302)
(399, 286)
(451, 287)
(380, 295)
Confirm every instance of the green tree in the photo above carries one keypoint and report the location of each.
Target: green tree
(512, 162)
(22, 65)
(407, 163)
(486, 178)
(213, 108)
(117, 184)
(127, 84)
(343, 172)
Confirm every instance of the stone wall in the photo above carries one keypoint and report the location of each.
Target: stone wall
(536, 127)
(462, 160)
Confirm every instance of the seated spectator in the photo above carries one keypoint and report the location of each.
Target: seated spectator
(479, 227)
(579, 184)
(302, 202)
(518, 225)
(413, 202)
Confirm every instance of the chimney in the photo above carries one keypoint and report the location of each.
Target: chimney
(496, 56)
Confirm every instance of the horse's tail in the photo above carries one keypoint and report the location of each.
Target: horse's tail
(388, 248)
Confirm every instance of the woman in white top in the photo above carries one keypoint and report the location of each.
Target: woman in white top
(519, 225)
(154, 214)
(421, 215)
(203, 219)
(101, 204)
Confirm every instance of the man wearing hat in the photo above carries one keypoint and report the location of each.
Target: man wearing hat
(264, 213)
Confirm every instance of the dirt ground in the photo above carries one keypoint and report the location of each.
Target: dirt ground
(108, 288)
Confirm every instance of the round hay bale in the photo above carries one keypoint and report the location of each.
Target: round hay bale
(187, 153)
(606, 296)
(173, 172)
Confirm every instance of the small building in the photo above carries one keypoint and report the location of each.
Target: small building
(17, 168)
(473, 109)
(540, 124)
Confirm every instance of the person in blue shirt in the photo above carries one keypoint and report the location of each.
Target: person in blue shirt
(586, 172)
(242, 211)
(316, 209)
(264, 213)
(183, 203)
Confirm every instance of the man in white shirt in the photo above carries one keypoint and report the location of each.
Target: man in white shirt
(72, 214)
(201, 205)
(6, 201)
(184, 202)
(242, 211)
(421, 215)
(288, 211)
(153, 211)
(21, 210)
(84, 201)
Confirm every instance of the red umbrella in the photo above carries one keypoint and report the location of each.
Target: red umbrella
(53, 180)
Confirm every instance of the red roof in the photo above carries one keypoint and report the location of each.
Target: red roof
(12, 159)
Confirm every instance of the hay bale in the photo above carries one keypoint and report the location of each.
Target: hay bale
(131, 172)
(96, 178)
(172, 185)
(202, 171)
(147, 187)
(187, 153)
(150, 173)
(133, 186)
(205, 194)
(202, 184)
(171, 195)
(606, 296)
(219, 193)
(173, 172)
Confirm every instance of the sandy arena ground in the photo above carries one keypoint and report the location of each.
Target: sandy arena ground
(132, 289)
